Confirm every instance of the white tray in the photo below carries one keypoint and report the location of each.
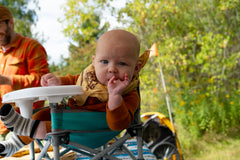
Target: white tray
(24, 98)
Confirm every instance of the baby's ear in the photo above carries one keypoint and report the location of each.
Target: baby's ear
(138, 67)
(142, 60)
(93, 58)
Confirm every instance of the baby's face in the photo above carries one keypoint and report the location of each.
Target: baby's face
(116, 60)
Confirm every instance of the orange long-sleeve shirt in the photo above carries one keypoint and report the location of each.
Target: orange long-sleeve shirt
(119, 118)
(26, 61)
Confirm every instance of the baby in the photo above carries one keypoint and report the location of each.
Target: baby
(109, 85)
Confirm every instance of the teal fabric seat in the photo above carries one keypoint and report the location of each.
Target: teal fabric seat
(86, 128)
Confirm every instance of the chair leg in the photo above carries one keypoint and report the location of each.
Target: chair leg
(40, 145)
(56, 144)
(44, 150)
(32, 151)
(126, 150)
(139, 135)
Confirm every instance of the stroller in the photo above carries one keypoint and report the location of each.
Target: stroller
(159, 136)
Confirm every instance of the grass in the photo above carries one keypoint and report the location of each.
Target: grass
(225, 150)
(212, 147)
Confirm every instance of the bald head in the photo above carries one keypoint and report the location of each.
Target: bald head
(117, 55)
(119, 38)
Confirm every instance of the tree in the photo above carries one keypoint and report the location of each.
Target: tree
(83, 26)
(199, 54)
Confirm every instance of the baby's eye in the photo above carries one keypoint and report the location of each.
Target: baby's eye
(104, 61)
(122, 63)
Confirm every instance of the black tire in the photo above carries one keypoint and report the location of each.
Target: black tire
(165, 151)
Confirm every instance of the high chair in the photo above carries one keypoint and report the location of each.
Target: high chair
(84, 135)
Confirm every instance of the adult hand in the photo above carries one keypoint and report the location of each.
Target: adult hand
(5, 80)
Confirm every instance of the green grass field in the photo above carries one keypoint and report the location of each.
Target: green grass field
(214, 148)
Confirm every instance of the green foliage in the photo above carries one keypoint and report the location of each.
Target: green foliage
(82, 22)
(24, 17)
(79, 59)
(84, 26)
(199, 55)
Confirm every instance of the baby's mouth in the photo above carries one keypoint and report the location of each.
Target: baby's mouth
(116, 78)
(2, 36)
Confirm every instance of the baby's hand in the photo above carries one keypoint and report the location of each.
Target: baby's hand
(117, 86)
(50, 80)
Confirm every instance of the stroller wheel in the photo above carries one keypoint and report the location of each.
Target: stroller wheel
(165, 151)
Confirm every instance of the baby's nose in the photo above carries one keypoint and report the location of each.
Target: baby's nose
(112, 69)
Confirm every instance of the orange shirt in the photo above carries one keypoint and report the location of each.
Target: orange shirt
(26, 62)
(117, 119)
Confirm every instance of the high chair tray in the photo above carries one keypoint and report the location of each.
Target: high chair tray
(42, 93)
(24, 98)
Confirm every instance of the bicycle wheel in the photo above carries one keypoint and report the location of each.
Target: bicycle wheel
(165, 151)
